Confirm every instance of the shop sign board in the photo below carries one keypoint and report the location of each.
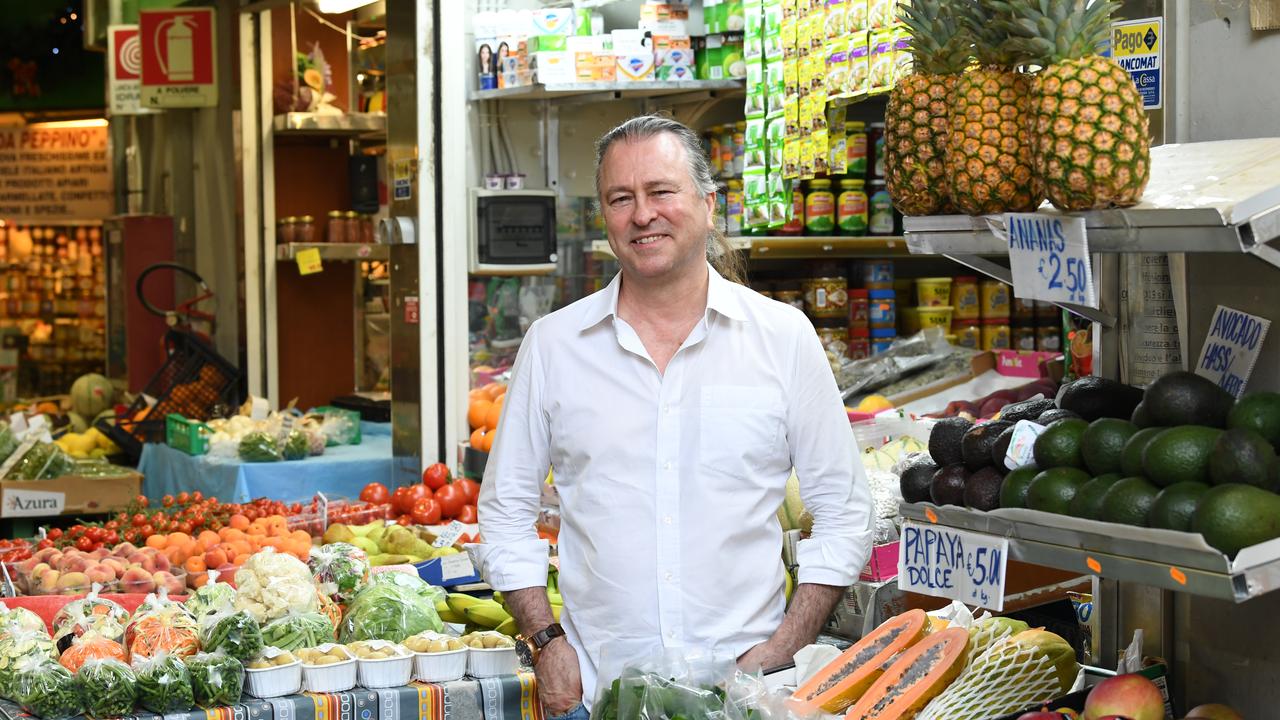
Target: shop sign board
(124, 71)
(1049, 257)
(32, 503)
(956, 564)
(1231, 348)
(55, 171)
(1138, 46)
(178, 68)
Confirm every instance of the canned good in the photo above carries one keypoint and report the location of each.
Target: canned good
(859, 308)
(733, 208)
(881, 311)
(851, 208)
(819, 208)
(794, 226)
(794, 298)
(827, 297)
(964, 297)
(1049, 338)
(968, 334)
(859, 343)
(933, 291)
(739, 147)
(1024, 337)
(995, 334)
(882, 339)
(835, 338)
(878, 275)
(880, 213)
(1047, 313)
(995, 299)
(875, 146)
(856, 149)
(1024, 311)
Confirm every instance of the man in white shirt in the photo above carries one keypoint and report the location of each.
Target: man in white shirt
(673, 406)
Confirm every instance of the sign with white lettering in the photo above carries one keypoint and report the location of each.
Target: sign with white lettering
(32, 503)
(124, 71)
(1231, 348)
(1049, 257)
(945, 562)
(55, 171)
(1137, 46)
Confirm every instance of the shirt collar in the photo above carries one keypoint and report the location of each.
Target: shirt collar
(721, 297)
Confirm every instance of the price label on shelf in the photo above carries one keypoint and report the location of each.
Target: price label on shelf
(449, 535)
(1049, 257)
(309, 261)
(456, 566)
(1231, 348)
(956, 564)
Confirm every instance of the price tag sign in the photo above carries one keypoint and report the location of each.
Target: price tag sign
(456, 566)
(309, 261)
(955, 564)
(1231, 348)
(449, 535)
(1049, 257)
(258, 409)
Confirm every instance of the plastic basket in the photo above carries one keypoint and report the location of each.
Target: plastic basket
(189, 436)
(193, 379)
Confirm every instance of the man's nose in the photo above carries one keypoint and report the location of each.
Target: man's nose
(643, 212)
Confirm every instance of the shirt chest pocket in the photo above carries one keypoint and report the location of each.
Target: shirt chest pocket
(741, 429)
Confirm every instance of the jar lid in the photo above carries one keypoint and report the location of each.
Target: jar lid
(858, 292)
(851, 183)
(883, 332)
(855, 125)
(966, 279)
(306, 219)
(860, 331)
(740, 125)
(351, 214)
(286, 220)
(880, 294)
(820, 183)
(877, 183)
(333, 214)
(877, 125)
(735, 184)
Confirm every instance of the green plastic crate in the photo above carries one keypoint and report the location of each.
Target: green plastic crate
(189, 436)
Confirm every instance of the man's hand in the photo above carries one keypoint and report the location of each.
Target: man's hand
(810, 608)
(557, 670)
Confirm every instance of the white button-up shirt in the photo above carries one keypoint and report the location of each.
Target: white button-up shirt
(670, 482)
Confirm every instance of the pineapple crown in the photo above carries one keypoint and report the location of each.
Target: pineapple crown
(988, 24)
(1050, 31)
(939, 44)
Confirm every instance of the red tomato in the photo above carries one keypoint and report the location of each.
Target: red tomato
(45, 543)
(426, 512)
(138, 520)
(436, 476)
(404, 520)
(184, 498)
(451, 500)
(398, 497)
(197, 496)
(375, 493)
(54, 533)
(84, 544)
(167, 501)
(467, 514)
(146, 531)
(470, 489)
(140, 501)
(412, 494)
(113, 538)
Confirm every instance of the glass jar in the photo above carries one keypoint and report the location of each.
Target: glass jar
(834, 336)
(733, 208)
(882, 339)
(995, 334)
(880, 210)
(304, 229)
(336, 227)
(851, 208)
(1023, 312)
(995, 299)
(794, 226)
(1049, 338)
(859, 343)
(856, 149)
(367, 229)
(819, 208)
(827, 298)
(878, 275)
(1047, 313)
(964, 298)
(353, 225)
(880, 309)
(967, 334)
(859, 308)
(1023, 337)
(285, 230)
(875, 148)
(790, 296)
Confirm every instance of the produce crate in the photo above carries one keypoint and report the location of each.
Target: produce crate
(883, 564)
(193, 379)
(449, 571)
(350, 414)
(189, 436)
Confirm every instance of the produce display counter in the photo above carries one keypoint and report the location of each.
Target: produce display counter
(342, 471)
(511, 697)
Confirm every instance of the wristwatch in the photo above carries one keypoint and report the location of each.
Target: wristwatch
(528, 648)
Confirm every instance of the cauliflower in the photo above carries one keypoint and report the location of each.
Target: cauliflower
(271, 585)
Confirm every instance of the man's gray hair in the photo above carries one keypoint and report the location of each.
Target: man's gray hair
(726, 260)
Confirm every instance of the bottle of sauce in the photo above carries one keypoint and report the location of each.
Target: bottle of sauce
(819, 208)
(851, 208)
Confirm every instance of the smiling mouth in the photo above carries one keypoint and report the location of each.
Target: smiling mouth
(647, 239)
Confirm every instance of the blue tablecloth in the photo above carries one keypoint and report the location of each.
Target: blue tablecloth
(342, 471)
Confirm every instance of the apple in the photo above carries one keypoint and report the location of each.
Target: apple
(1213, 711)
(1043, 715)
(1125, 696)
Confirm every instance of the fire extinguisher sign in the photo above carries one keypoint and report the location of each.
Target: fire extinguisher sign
(177, 58)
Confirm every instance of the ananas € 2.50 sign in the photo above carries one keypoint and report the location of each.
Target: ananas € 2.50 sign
(178, 70)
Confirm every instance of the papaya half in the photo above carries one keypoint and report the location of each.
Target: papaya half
(844, 680)
(915, 677)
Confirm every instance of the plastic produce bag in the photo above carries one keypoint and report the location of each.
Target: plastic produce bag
(8, 443)
(338, 428)
(18, 646)
(412, 583)
(316, 442)
(272, 585)
(159, 601)
(259, 447)
(298, 630)
(47, 690)
(164, 684)
(383, 611)
(212, 597)
(670, 685)
(109, 688)
(20, 619)
(340, 569)
(236, 634)
(42, 462)
(90, 646)
(91, 613)
(164, 630)
(216, 679)
(295, 446)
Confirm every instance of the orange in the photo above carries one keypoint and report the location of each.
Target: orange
(157, 541)
(239, 522)
(477, 394)
(486, 443)
(178, 538)
(477, 439)
(240, 547)
(257, 527)
(301, 536)
(477, 411)
(198, 581)
(494, 414)
(189, 548)
(195, 564)
(495, 390)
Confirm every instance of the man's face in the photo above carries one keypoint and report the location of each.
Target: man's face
(657, 220)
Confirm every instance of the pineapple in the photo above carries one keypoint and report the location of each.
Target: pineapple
(1092, 148)
(916, 117)
(989, 142)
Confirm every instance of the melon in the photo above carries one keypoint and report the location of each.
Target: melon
(792, 506)
(918, 675)
(844, 680)
(77, 422)
(91, 394)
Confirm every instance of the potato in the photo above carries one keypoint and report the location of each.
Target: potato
(454, 644)
(259, 665)
(339, 654)
(284, 658)
(327, 660)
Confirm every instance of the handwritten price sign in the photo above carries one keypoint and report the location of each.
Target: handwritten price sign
(1231, 348)
(1049, 257)
(955, 564)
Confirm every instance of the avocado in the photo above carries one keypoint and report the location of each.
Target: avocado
(1259, 412)
(916, 478)
(1235, 516)
(1001, 448)
(947, 486)
(944, 440)
(1059, 444)
(1128, 501)
(1094, 397)
(1140, 417)
(1175, 505)
(1131, 457)
(1053, 490)
(1025, 409)
(1179, 454)
(1013, 491)
(976, 444)
(982, 489)
(1103, 442)
(1242, 456)
(1049, 417)
(1184, 398)
(1087, 503)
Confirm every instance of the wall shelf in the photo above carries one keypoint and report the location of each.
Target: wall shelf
(348, 125)
(335, 251)
(582, 93)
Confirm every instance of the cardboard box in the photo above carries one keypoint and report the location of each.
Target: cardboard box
(674, 56)
(554, 67)
(560, 21)
(636, 67)
(544, 43)
(67, 495)
(883, 564)
(674, 73)
(631, 42)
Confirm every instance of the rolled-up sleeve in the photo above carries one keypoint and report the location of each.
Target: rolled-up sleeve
(512, 555)
(833, 483)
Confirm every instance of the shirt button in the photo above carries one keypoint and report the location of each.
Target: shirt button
(669, 576)
(667, 519)
(666, 466)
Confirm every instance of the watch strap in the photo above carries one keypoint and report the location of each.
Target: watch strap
(544, 636)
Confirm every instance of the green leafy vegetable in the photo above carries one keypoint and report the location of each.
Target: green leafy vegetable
(411, 582)
(211, 598)
(48, 690)
(296, 446)
(164, 684)
(259, 447)
(109, 688)
(236, 634)
(388, 612)
(297, 631)
(341, 570)
(216, 679)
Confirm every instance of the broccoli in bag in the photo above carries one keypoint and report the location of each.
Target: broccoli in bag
(237, 634)
(296, 446)
(383, 611)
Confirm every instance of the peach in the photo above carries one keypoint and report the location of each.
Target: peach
(137, 580)
(100, 553)
(124, 549)
(48, 582)
(117, 566)
(162, 563)
(173, 584)
(39, 570)
(26, 566)
(45, 554)
(101, 574)
(73, 581)
(77, 564)
(1130, 696)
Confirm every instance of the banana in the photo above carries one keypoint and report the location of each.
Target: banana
(450, 616)
(508, 627)
(489, 616)
(555, 599)
(498, 598)
(459, 602)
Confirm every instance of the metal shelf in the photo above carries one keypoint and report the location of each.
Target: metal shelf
(348, 125)
(1159, 558)
(336, 251)
(581, 93)
(768, 247)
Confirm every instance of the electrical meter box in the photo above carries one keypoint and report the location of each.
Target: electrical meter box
(513, 232)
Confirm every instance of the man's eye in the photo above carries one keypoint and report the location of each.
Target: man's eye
(620, 200)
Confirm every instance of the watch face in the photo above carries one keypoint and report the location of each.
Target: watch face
(524, 652)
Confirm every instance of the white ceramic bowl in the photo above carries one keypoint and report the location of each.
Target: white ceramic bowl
(492, 662)
(440, 666)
